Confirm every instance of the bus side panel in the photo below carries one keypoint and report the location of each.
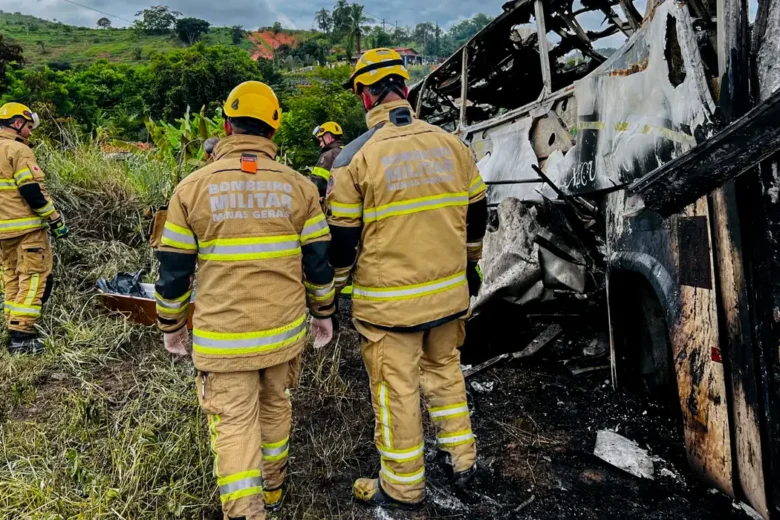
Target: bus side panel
(675, 256)
(740, 353)
(701, 377)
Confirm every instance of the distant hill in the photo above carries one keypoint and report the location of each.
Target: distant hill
(59, 45)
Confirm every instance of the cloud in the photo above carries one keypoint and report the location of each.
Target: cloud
(252, 14)
(294, 14)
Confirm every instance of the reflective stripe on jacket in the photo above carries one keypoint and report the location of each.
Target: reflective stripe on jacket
(19, 172)
(261, 239)
(326, 160)
(404, 188)
(320, 174)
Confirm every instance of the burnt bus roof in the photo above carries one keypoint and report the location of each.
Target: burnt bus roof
(503, 59)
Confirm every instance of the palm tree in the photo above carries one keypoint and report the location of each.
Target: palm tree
(354, 28)
(324, 21)
(340, 17)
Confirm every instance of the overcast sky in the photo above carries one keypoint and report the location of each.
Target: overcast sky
(255, 13)
(299, 14)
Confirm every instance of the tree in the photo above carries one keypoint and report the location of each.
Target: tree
(423, 33)
(355, 22)
(341, 19)
(157, 20)
(304, 108)
(291, 63)
(42, 45)
(104, 23)
(437, 40)
(10, 55)
(282, 52)
(324, 21)
(480, 21)
(313, 50)
(433, 44)
(277, 28)
(463, 31)
(237, 34)
(189, 30)
(271, 75)
(379, 38)
(196, 76)
(400, 35)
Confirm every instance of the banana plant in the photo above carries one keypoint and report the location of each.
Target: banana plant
(183, 143)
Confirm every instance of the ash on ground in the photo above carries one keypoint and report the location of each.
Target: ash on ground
(536, 430)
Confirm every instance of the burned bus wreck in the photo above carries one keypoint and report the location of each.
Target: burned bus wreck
(649, 177)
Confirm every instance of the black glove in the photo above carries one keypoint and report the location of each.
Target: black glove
(59, 229)
(474, 277)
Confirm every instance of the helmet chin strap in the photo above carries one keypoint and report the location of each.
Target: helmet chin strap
(403, 92)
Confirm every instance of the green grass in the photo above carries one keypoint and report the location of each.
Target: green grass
(105, 425)
(47, 42)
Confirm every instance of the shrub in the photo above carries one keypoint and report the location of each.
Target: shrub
(59, 65)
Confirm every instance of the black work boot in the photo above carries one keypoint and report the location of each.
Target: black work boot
(26, 343)
(463, 479)
(460, 479)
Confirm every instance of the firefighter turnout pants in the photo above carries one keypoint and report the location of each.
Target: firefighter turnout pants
(392, 360)
(27, 278)
(249, 416)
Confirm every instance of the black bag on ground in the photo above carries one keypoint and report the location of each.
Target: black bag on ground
(128, 284)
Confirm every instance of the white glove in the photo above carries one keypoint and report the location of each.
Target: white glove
(178, 342)
(322, 330)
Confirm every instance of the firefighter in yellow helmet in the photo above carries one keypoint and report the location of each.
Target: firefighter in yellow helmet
(258, 235)
(26, 211)
(330, 138)
(408, 214)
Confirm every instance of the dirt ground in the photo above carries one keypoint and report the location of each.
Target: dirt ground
(536, 427)
(535, 423)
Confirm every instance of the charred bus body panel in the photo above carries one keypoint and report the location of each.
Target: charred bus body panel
(692, 282)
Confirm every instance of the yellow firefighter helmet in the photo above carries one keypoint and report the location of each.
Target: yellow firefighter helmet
(328, 128)
(12, 110)
(374, 66)
(256, 100)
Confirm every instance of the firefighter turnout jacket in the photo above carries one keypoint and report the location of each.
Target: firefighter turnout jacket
(25, 250)
(261, 242)
(24, 204)
(407, 209)
(321, 172)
